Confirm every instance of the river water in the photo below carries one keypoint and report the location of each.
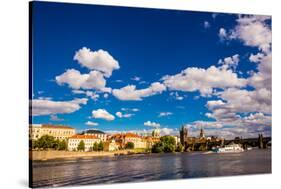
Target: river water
(149, 167)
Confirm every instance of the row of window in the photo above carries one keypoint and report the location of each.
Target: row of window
(76, 144)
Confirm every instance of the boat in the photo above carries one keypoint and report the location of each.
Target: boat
(249, 148)
(231, 148)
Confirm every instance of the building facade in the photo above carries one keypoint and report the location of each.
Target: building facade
(110, 145)
(89, 141)
(123, 139)
(59, 132)
(97, 133)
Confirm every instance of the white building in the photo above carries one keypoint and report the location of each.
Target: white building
(60, 132)
(97, 133)
(89, 141)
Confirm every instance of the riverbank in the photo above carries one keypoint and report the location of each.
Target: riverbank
(53, 154)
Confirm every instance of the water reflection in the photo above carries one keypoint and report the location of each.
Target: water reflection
(148, 167)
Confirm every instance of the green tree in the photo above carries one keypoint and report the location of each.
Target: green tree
(62, 145)
(100, 146)
(81, 146)
(95, 146)
(56, 144)
(130, 145)
(168, 140)
(157, 147)
(168, 147)
(179, 148)
(166, 144)
(45, 142)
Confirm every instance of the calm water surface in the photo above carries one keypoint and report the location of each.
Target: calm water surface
(136, 168)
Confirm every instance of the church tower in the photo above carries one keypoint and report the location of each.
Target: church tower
(183, 135)
(202, 135)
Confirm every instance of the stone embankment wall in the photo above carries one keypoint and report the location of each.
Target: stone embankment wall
(52, 154)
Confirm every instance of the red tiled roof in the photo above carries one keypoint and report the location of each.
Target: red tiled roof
(83, 137)
(56, 126)
(132, 135)
(129, 135)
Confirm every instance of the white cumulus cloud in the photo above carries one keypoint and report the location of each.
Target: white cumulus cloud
(97, 60)
(131, 93)
(151, 124)
(121, 115)
(203, 80)
(49, 107)
(75, 80)
(102, 114)
(164, 114)
(90, 123)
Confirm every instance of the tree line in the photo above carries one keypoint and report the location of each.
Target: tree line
(49, 142)
(167, 144)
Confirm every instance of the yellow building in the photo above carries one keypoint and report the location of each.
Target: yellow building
(110, 145)
(139, 142)
(89, 141)
(57, 131)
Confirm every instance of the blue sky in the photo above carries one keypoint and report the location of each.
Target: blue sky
(222, 54)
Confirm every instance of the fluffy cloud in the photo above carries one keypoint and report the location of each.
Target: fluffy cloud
(105, 95)
(102, 114)
(230, 62)
(237, 104)
(55, 118)
(97, 60)
(176, 96)
(262, 78)
(164, 114)
(121, 115)
(75, 80)
(222, 34)
(203, 80)
(258, 100)
(136, 78)
(131, 93)
(253, 31)
(167, 131)
(256, 57)
(91, 94)
(206, 24)
(207, 124)
(151, 124)
(248, 111)
(49, 107)
(257, 119)
(90, 123)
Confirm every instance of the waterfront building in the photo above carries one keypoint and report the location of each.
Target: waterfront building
(110, 145)
(123, 139)
(59, 132)
(89, 141)
(97, 133)
(150, 141)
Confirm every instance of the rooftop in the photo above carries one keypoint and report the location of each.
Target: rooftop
(93, 131)
(83, 137)
(129, 135)
(56, 126)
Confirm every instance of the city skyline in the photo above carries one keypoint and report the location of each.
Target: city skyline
(117, 69)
